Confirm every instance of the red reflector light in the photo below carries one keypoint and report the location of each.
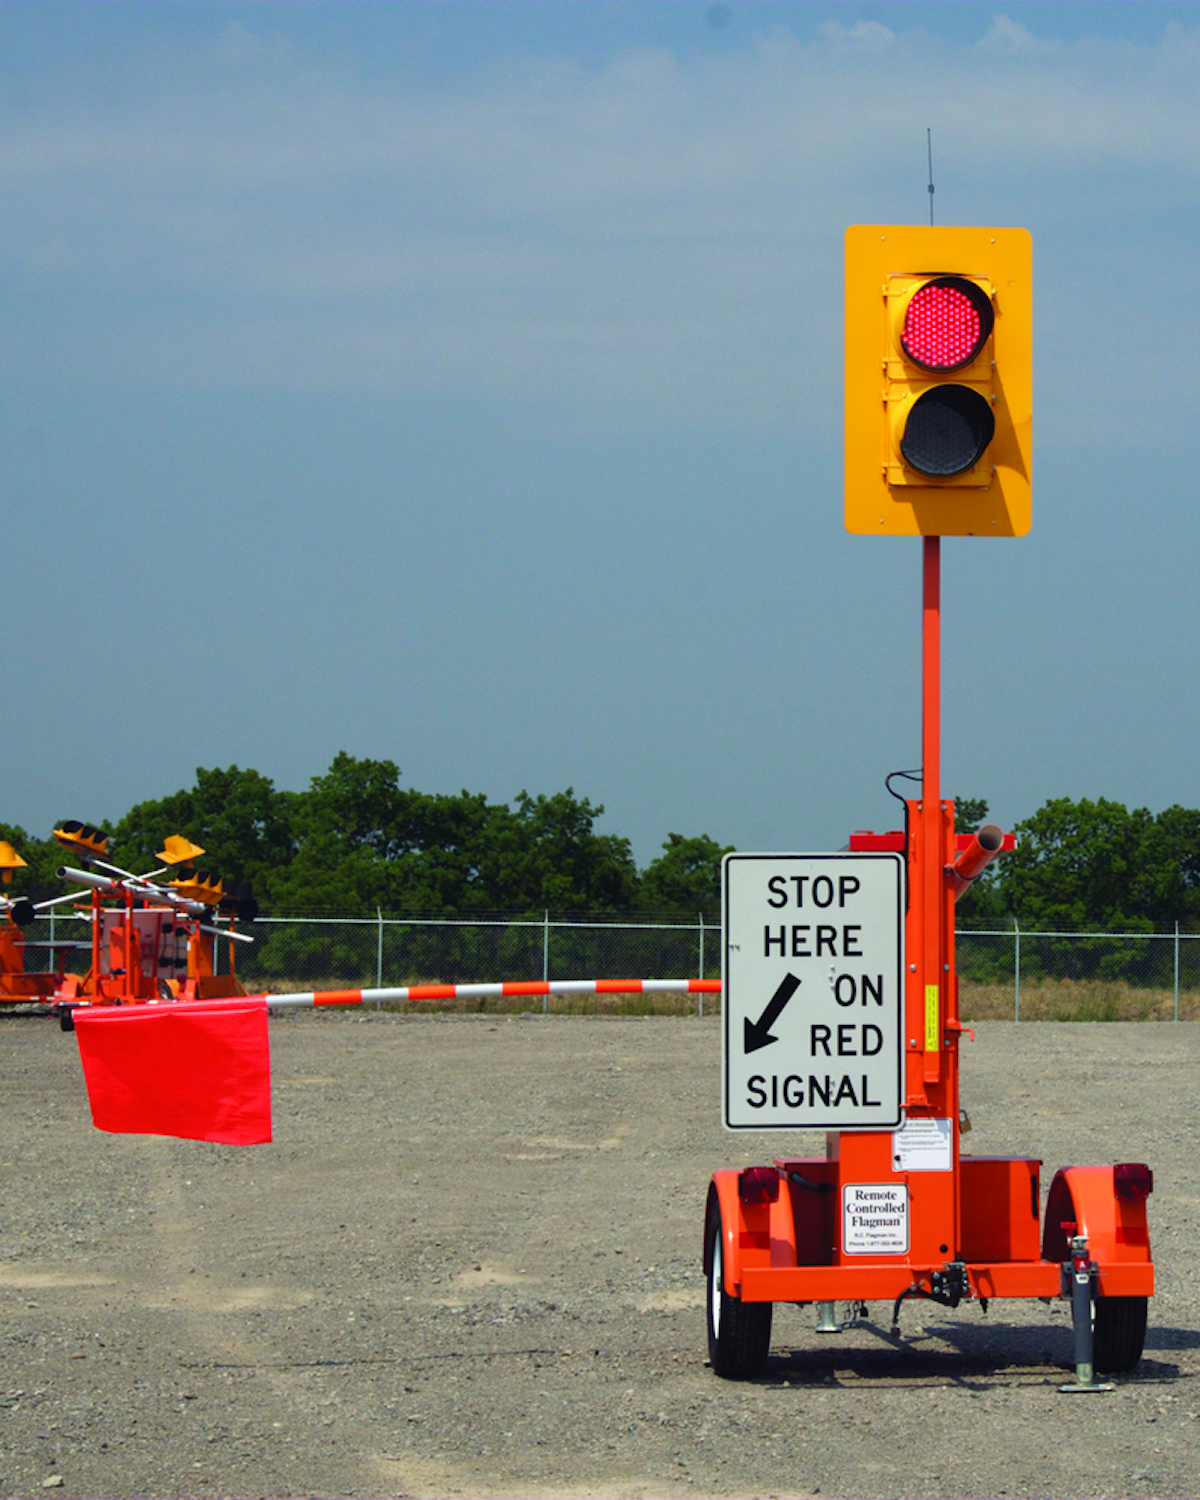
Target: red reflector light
(758, 1185)
(946, 323)
(1133, 1181)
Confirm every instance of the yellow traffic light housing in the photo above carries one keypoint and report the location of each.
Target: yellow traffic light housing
(939, 381)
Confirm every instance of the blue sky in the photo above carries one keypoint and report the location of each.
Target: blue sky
(461, 384)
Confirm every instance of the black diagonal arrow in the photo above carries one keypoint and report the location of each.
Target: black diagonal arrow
(758, 1033)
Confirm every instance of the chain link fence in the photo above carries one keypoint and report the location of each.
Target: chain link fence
(1078, 976)
(1006, 974)
(314, 953)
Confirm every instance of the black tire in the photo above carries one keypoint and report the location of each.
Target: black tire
(739, 1333)
(1118, 1333)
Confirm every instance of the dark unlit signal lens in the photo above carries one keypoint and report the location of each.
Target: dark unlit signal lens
(947, 430)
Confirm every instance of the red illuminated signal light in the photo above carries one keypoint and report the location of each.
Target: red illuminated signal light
(946, 324)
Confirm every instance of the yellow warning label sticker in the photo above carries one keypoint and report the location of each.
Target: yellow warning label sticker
(932, 1039)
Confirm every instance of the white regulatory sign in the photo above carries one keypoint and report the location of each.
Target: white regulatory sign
(813, 978)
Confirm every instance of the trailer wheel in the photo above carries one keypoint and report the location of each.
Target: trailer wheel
(739, 1333)
(1118, 1333)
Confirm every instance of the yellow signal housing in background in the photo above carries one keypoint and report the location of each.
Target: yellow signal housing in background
(82, 839)
(10, 860)
(207, 889)
(938, 381)
(177, 850)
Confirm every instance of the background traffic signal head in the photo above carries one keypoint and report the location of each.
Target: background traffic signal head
(938, 381)
(177, 850)
(199, 886)
(238, 901)
(82, 839)
(10, 860)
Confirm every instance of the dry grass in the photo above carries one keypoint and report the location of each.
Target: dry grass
(1075, 1000)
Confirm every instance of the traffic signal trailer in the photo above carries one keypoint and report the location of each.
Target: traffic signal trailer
(938, 408)
(971, 1230)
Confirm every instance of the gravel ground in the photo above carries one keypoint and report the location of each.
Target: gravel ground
(469, 1266)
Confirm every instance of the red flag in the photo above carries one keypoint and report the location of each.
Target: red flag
(194, 1069)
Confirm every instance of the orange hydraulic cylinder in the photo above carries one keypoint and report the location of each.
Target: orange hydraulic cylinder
(985, 845)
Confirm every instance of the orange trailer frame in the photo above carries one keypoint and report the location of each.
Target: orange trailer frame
(18, 985)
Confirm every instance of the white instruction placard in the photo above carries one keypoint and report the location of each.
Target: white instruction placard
(874, 1218)
(923, 1145)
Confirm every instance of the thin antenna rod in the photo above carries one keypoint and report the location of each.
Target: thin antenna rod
(929, 147)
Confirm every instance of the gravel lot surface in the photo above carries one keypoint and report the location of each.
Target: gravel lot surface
(469, 1266)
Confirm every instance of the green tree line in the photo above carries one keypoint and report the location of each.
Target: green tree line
(1090, 867)
(356, 839)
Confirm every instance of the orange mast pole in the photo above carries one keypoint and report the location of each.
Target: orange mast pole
(929, 832)
(935, 845)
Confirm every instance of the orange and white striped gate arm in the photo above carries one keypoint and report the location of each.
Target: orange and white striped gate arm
(413, 992)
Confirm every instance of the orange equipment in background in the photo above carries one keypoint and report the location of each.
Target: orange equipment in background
(151, 941)
(17, 986)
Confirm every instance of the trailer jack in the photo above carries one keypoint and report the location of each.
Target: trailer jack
(1079, 1280)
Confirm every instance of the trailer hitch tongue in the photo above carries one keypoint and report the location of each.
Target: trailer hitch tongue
(1079, 1276)
(948, 1287)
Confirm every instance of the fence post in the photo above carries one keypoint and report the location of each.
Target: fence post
(1177, 971)
(379, 954)
(545, 957)
(700, 974)
(1016, 970)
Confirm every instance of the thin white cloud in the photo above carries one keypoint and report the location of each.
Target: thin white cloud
(1005, 35)
(635, 237)
(867, 34)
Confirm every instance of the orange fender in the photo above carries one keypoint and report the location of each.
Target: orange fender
(758, 1236)
(723, 1189)
(747, 1230)
(1116, 1228)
